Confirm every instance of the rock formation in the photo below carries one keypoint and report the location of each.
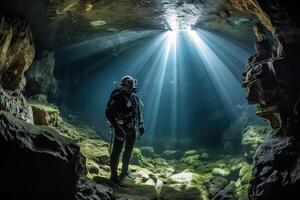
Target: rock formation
(17, 53)
(271, 83)
(40, 77)
(37, 163)
(16, 104)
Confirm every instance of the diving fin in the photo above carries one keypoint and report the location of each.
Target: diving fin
(130, 175)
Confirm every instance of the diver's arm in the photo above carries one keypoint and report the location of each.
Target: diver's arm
(140, 117)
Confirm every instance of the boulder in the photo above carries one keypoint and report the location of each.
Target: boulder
(171, 154)
(190, 153)
(136, 157)
(147, 151)
(221, 172)
(185, 177)
(44, 113)
(36, 162)
(181, 192)
(204, 156)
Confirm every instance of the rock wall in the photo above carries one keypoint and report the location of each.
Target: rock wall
(271, 83)
(40, 77)
(16, 55)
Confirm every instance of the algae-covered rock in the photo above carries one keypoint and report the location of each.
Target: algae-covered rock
(221, 172)
(136, 157)
(185, 177)
(246, 168)
(96, 150)
(190, 153)
(193, 161)
(171, 154)
(253, 136)
(180, 192)
(204, 156)
(148, 151)
(246, 178)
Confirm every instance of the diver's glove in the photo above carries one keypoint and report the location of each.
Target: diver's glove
(141, 129)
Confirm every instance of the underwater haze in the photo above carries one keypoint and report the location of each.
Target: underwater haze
(189, 82)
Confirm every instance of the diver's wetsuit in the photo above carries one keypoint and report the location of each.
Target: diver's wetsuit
(123, 112)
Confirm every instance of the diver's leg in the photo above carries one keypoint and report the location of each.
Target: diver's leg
(129, 144)
(114, 158)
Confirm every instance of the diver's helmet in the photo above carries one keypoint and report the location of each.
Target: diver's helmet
(129, 81)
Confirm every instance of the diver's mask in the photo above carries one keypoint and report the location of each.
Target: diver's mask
(129, 83)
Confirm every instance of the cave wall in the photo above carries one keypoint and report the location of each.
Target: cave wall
(17, 52)
(271, 83)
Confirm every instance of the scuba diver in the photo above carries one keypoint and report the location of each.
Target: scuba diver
(124, 114)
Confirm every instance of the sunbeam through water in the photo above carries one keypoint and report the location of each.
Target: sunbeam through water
(189, 82)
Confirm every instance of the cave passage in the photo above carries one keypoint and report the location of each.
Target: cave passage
(189, 81)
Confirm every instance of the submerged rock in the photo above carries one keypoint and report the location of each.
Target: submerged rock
(221, 172)
(180, 192)
(171, 154)
(37, 162)
(136, 157)
(185, 177)
(190, 153)
(148, 151)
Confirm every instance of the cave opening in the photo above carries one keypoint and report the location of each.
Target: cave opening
(217, 90)
(189, 82)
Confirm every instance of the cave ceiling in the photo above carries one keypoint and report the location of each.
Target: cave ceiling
(59, 22)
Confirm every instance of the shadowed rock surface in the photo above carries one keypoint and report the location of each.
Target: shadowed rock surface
(36, 162)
